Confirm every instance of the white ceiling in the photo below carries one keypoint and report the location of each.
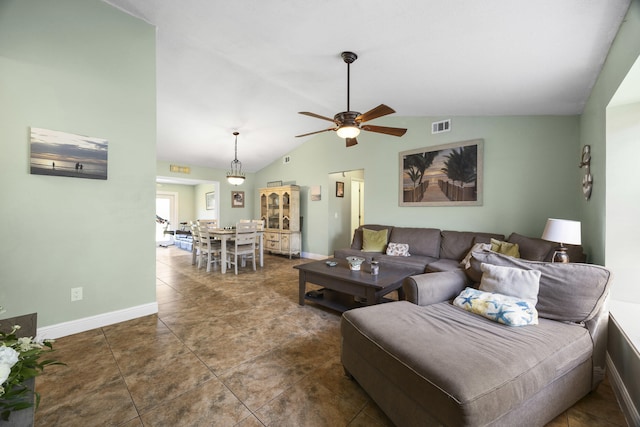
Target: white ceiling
(252, 65)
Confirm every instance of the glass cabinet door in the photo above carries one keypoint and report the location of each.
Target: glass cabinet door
(273, 211)
(263, 208)
(286, 205)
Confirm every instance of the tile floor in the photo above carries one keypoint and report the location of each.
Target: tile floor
(226, 350)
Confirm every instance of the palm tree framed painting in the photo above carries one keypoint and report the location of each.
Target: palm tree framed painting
(444, 175)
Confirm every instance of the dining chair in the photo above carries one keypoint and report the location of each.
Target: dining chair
(209, 223)
(258, 222)
(243, 246)
(195, 240)
(209, 248)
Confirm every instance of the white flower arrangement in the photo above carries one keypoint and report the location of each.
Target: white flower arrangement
(20, 361)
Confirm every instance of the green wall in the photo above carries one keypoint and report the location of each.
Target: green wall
(622, 55)
(622, 199)
(82, 67)
(530, 166)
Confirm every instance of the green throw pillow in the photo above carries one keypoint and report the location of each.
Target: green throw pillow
(374, 241)
(506, 248)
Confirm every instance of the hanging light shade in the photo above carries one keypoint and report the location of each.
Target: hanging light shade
(348, 131)
(235, 176)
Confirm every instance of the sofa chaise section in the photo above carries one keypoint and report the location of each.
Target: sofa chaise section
(427, 362)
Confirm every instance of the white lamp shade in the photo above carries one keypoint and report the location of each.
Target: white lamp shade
(348, 131)
(562, 231)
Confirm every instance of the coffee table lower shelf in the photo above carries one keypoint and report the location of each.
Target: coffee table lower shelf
(335, 300)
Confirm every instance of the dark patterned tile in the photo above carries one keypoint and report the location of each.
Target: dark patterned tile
(109, 405)
(156, 384)
(209, 403)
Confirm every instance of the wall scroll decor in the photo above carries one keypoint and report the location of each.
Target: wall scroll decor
(587, 179)
(66, 154)
(445, 175)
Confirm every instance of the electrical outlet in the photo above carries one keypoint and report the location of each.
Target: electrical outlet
(76, 294)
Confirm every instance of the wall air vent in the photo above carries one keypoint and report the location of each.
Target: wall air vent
(286, 159)
(441, 126)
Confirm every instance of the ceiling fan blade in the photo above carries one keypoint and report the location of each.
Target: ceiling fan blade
(351, 142)
(384, 129)
(317, 116)
(379, 111)
(313, 133)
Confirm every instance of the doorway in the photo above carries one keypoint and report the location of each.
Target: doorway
(346, 207)
(357, 203)
(166, 216)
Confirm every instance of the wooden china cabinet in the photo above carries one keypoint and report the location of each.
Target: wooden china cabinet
(280, 211)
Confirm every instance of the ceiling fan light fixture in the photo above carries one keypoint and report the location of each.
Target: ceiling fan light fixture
(348, 131)
(235, 176)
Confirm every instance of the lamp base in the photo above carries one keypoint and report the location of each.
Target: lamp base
(560, 255)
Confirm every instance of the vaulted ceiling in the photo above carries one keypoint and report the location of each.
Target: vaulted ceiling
(252, 65)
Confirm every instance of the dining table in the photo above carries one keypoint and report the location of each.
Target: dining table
(225, 235)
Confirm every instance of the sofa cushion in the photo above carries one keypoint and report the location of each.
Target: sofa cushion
(356, 243)
(456, 244)
(510, 311)
(416, 263)
(374, 240)
(531, 248)
(514, 282)
(421, 241)
(568, 292)
(465, 368)
(443, 264)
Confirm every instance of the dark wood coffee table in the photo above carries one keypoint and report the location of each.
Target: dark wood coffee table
(344, 289)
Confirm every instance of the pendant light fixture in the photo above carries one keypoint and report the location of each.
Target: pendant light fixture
(235, 176)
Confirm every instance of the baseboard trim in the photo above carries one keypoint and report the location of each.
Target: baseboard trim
(98, 321)
(312, 256)
(624, 399)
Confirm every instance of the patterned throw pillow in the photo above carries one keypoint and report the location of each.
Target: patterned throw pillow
(398, 249)
(500, 308)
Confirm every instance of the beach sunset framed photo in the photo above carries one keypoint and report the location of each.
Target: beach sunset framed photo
(66, 154)
(443, 175)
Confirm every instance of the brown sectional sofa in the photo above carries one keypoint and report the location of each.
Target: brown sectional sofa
(435, 250)
(427, 362)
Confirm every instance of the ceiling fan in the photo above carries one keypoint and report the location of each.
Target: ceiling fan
(348, 124)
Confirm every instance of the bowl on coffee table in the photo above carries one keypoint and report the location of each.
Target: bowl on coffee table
(355, 262)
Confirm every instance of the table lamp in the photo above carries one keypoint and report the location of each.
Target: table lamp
(562, 231)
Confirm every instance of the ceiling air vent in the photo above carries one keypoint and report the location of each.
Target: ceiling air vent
(286, 159)
(441, 126)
